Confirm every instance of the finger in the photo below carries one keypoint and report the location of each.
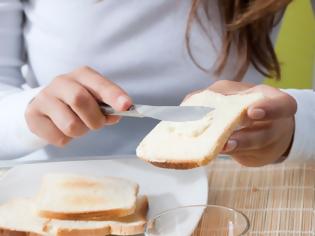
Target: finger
(103, 89)
(245, 123)
(257, 137)
(276, 105)
(230, 146)
(44, 128)
(112, 120)
(279, 107)
(249, 159)
(63, 117)
(81, 102)
(256, 158)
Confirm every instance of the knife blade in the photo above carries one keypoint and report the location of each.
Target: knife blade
(165, 113)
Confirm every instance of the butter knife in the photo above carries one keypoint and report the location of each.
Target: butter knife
(166, 113)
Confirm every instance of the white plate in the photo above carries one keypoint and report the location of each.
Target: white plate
(165, 188)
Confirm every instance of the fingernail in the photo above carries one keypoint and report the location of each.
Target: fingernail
(230, 145)
(112, 122)
(123, 102)
(256, 113)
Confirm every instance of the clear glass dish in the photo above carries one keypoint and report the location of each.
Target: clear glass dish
(201, 220)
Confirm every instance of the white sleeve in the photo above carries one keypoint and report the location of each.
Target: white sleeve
(15, 137)
(303, 146)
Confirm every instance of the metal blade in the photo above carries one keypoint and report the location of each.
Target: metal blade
(173, 113)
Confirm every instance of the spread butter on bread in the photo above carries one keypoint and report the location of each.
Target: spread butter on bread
(185, 145)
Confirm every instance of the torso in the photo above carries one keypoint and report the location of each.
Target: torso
(138, 44)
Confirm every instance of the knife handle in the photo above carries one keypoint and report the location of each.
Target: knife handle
(108, 110)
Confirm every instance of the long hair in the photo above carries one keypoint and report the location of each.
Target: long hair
(247, 27)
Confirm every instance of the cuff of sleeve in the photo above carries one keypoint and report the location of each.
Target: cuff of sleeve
(304, 139)
(16, 138)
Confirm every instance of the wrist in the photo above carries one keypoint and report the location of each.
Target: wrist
(284, 156)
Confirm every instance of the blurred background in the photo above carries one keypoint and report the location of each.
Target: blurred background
(295, 47)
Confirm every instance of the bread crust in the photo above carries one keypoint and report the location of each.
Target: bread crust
(87, 215)
(122, 226)
(84, 232)
(134, 229)
(178, 165)
(10, 232)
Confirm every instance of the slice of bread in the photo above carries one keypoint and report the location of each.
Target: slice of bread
(73, 197)
(128, 225)
(184, 145)
(18, 218)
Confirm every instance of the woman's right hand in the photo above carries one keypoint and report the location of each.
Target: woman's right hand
(68, 107)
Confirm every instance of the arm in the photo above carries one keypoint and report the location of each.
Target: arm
(15, 137)
(65, 109)
(303, 146)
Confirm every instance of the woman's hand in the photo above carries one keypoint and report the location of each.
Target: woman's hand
(269, 127)
(68, 107)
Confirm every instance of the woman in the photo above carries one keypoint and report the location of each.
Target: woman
(79, 52)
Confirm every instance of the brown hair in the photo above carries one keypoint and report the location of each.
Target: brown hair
(248, 24)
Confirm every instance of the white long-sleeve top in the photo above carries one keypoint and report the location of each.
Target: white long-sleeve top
(138, 44)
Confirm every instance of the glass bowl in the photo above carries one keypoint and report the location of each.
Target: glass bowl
(201, 220)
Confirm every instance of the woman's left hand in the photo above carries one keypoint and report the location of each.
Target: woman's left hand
(269, 128)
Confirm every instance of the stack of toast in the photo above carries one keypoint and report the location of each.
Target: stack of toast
(68, 205)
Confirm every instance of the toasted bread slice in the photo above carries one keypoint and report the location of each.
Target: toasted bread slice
(184, 145)
(73, 197)
(18, 218)
(128, 225)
